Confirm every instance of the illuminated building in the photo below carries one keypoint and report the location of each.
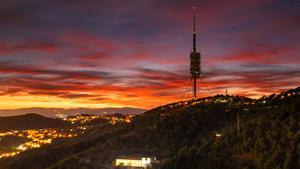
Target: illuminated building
(135, 161)
(218, 135)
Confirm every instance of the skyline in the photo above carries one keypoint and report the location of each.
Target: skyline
(136, 53)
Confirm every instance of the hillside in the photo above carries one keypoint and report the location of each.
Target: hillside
(183, 136)
(29, 121)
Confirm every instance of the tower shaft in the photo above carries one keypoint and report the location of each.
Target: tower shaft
(195, 87)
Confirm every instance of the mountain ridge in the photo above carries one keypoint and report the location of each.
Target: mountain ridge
(55, 112)
(29, 121)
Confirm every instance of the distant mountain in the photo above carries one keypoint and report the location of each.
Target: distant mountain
(219, 132)
(56, 112)
(29, 121)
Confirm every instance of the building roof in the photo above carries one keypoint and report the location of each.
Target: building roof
(134, 157)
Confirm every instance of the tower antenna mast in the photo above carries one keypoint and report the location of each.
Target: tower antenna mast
(195, 69)
(194, 29)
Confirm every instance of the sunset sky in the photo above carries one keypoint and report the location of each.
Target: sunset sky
(135, 53)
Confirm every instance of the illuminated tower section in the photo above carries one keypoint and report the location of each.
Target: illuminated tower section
(195, 57)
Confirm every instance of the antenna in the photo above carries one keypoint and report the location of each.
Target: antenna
(194, 29)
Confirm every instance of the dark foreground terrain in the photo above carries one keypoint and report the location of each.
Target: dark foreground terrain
(220, 132)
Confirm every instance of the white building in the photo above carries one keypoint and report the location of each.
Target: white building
(135, 161)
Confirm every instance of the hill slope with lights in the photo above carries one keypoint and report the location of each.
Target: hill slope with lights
(224, 132)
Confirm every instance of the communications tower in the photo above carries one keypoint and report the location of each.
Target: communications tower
(195, 59)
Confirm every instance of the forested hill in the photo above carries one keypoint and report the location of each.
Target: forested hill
(29, 121)
(183, 135)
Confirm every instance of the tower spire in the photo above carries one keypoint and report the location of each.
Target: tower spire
(194, 29)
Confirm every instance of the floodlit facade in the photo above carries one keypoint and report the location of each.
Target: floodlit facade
(138, 162)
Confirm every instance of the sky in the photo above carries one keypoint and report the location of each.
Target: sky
(135, 53)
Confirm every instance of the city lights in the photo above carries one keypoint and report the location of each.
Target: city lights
(39, 137)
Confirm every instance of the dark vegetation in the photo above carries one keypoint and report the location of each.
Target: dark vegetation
(7, 143)
(183, 136)
(29, 121)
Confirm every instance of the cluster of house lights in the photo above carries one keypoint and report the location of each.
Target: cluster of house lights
(36, 138)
